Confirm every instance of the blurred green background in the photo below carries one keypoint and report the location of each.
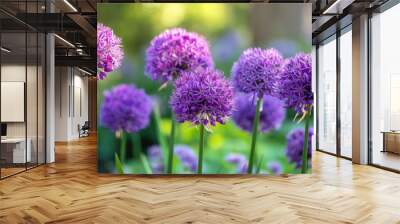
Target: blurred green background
(230, 29)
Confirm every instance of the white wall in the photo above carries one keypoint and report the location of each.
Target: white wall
(61, 103)
(14, 73)
(33, 126)
(71, 94)
(80, 110)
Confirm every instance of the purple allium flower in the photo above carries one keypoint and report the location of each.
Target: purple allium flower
(125, 108)
(109, 51)
(242, 167)
(257, 71)
(271, 117)
(239, 160)
(156, 159)
(175, 51)
(275, 167)
(202, 97)
(186, 156)
(295, 83)
(294, 149)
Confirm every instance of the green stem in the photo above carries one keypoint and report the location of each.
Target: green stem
(137, 145)
(145, 163)
(171, 145)
(304, 166)
(160, 136)
(254, 136)
(122, 150)
(201, 149)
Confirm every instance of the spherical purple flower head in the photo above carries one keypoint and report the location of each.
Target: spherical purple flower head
(156, 159)
(239, 160)
(125, 108)
(202, 97)
(257, 71)
(295, 83)
(294, 149)
(175, 51)
(271, 117)
(109, 51)
(186, 156)
(275, 167)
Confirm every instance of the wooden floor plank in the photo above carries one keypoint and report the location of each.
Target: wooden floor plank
(71, 191)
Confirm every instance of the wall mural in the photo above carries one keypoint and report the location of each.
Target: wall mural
(204, 88)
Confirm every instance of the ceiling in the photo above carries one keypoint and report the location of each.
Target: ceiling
(332, 15)
(74, 21)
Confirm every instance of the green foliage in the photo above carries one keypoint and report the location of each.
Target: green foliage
(223, 139)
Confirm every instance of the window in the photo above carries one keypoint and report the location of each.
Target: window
(385, 89)
(346, 93)
(327, 96)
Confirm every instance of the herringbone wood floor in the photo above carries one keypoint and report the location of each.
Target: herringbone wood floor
(70, 191)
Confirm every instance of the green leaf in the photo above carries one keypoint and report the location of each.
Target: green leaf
(260, 162)
(118, 164)
(145, 164)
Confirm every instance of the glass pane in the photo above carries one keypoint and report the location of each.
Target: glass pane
(23, 90)
(13, 86)
(41, 99)
(31, 99)
(346, 94)
(385, 83)
(327, 97)
(32, 88)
